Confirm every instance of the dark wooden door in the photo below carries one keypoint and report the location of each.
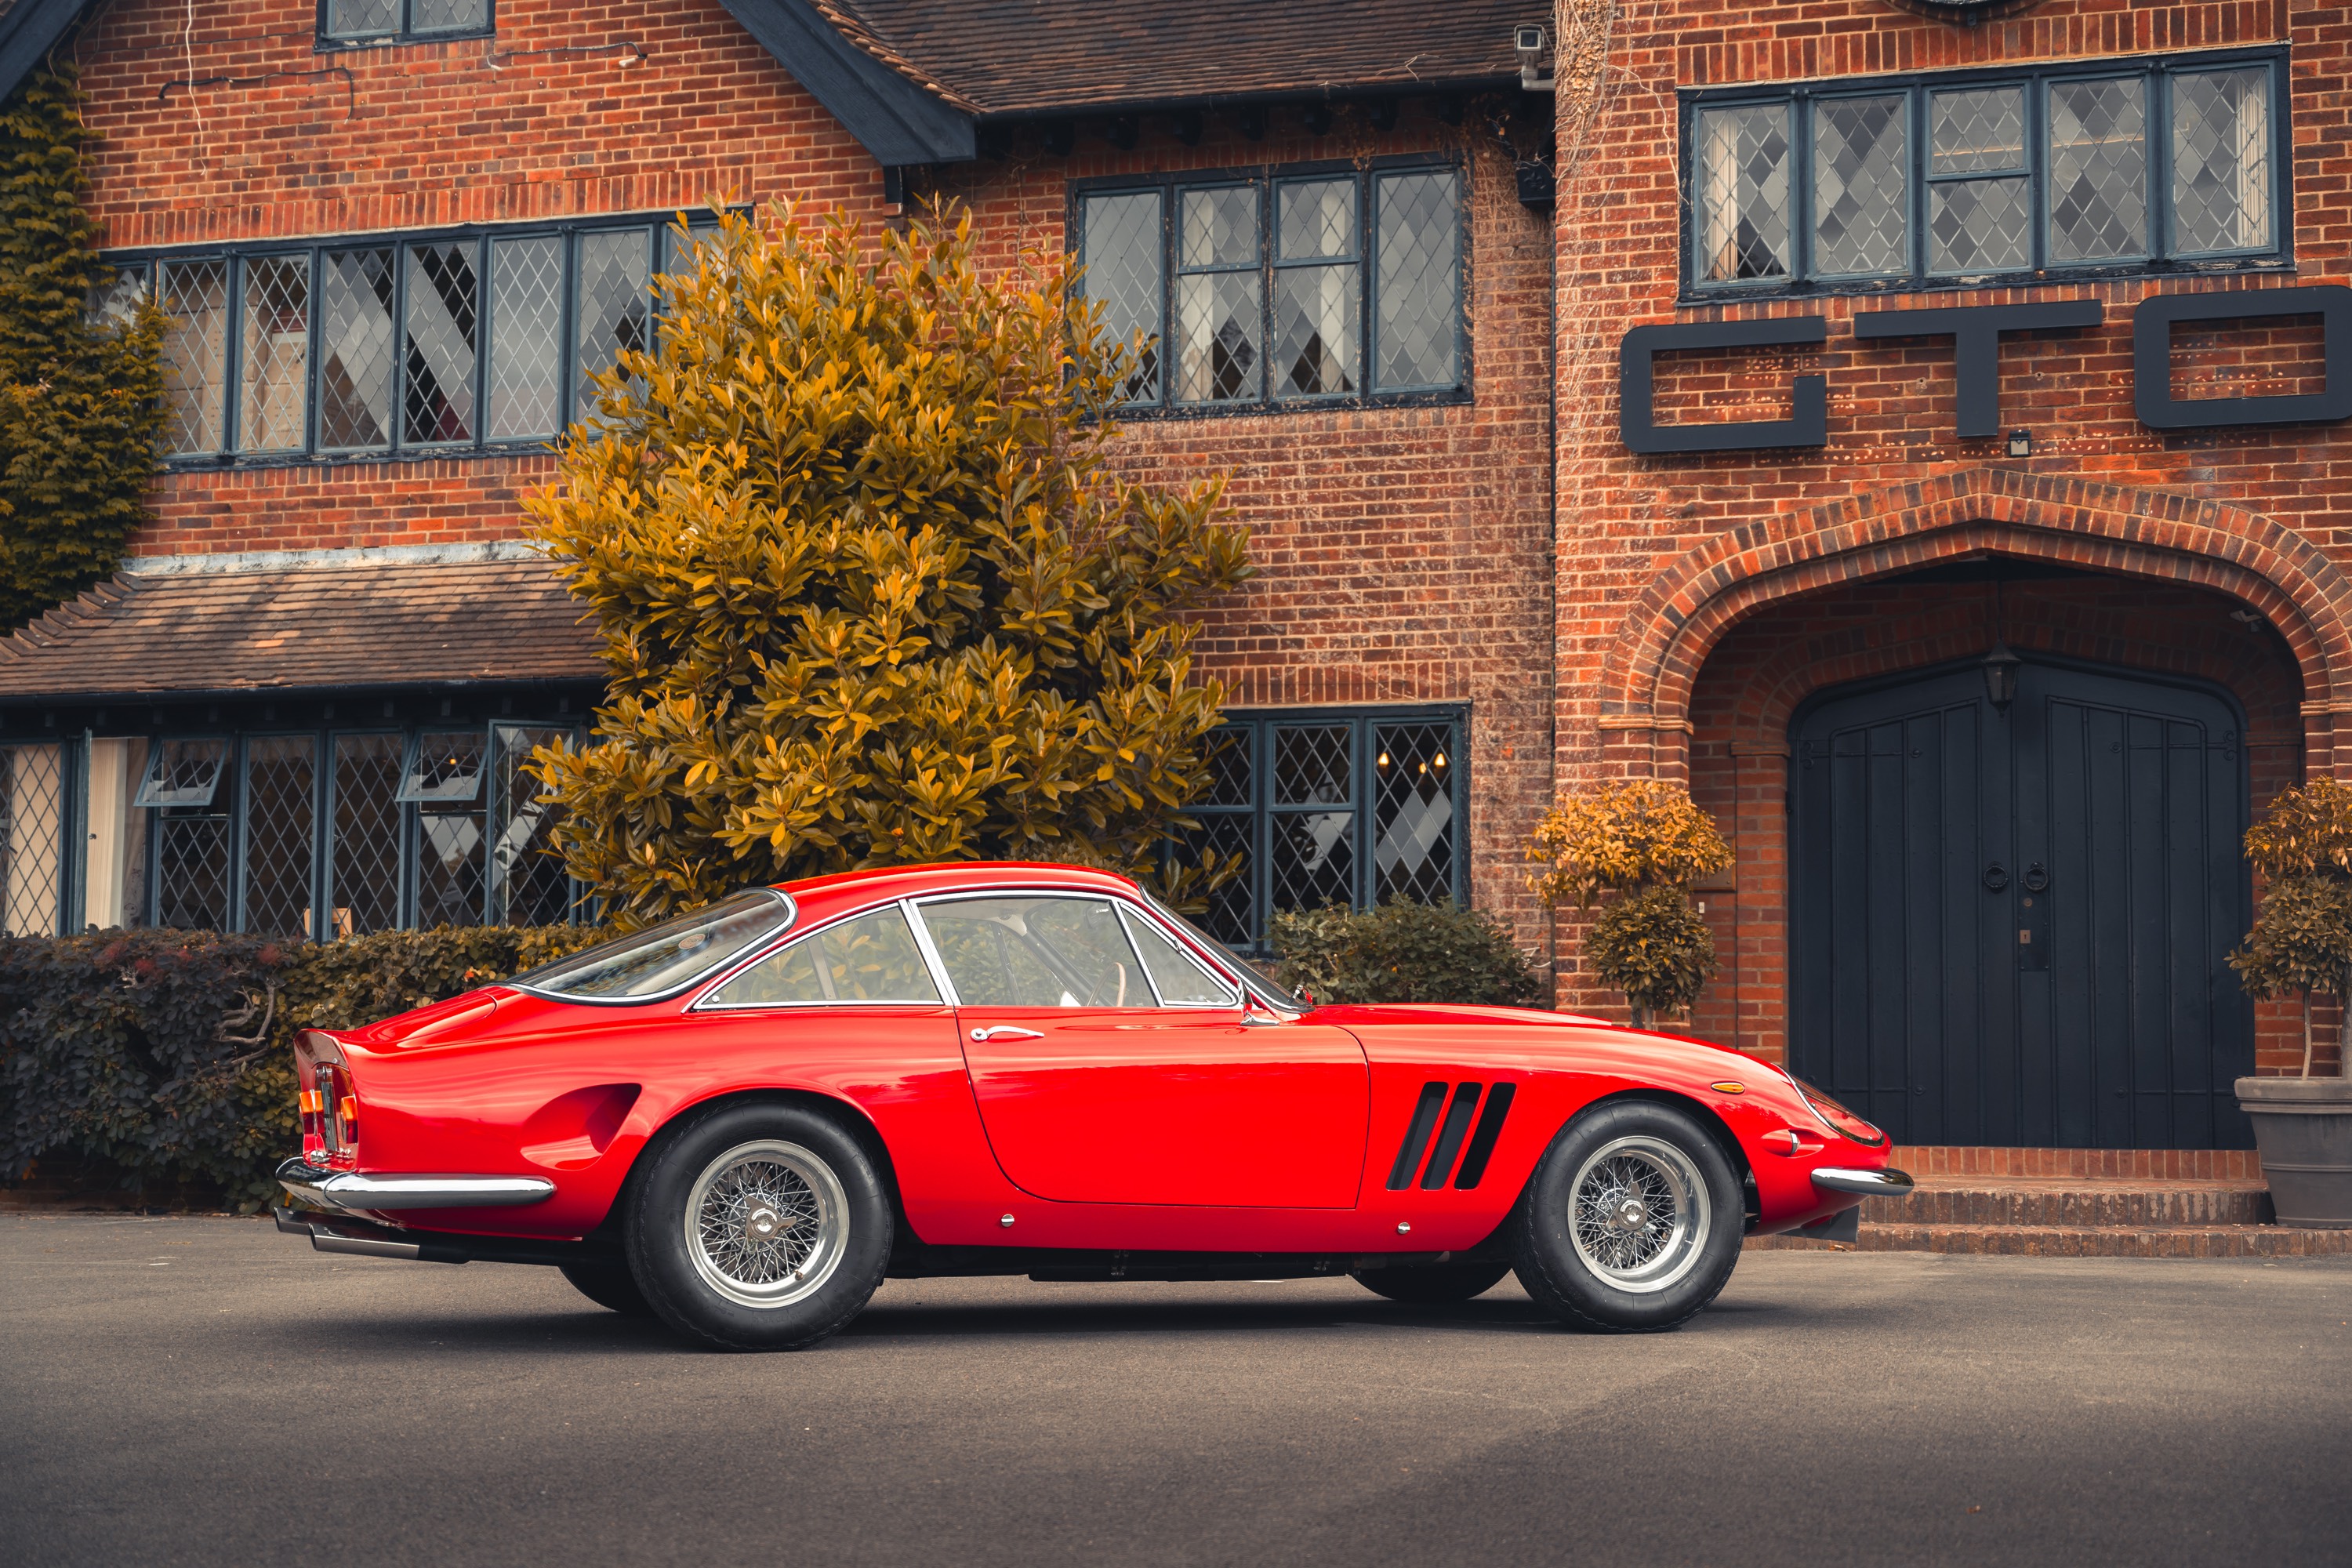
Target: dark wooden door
(2009, 927)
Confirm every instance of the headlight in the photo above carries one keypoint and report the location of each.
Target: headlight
(1838, 1118)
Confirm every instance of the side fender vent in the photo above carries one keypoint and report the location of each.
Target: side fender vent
(1482, 1143)
(1416, 1136)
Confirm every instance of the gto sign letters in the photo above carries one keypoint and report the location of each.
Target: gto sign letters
(1976, 332)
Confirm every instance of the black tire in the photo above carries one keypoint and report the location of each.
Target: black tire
(608, 1285)
(1661, 1228)
(734, 1169)
(1432, 1284)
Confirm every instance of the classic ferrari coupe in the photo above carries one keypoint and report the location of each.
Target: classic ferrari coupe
(742, 1120)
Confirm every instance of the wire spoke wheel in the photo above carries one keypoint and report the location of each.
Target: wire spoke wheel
(766, 1224)
(1639, 1213)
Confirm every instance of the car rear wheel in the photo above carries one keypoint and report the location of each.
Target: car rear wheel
(758, 1226)
(1631, 1222)
(608, 1285)
(1432, 1284)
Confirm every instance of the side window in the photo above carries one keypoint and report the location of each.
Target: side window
(1037, 953)
(870, 959)
(1181, 982)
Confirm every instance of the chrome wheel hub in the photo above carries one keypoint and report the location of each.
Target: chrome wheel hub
(1638, 1213)
(766, 1224)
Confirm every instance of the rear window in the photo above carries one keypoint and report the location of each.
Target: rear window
(660, 959)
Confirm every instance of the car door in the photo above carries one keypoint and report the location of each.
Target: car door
(1112, 1067)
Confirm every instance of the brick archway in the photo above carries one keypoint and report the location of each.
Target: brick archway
(1646, 679)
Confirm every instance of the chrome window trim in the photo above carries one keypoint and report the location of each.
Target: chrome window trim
(708, 1001)
(1234, 995)
(1241, 993)
(791, 915)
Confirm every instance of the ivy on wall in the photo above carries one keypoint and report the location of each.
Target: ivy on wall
(80, 394)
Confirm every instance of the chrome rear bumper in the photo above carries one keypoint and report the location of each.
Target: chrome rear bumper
(1889, 1183)
(355, 1191)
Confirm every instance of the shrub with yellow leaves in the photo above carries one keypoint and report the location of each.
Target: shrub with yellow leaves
(2302, 939)
(867, 592)
(1646, 841)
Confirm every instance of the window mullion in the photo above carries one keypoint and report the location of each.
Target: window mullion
(1801, 186)
(2037, 166)
(232, 350)
(481, 341)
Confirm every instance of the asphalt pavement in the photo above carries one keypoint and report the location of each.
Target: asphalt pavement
(208, 1391)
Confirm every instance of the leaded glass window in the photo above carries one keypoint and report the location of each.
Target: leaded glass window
(1122, 240)
(32, 838)
(526, 337)
(2107, 164)
(2222, 174)
(280, 833)
(529, 885)
(444, 304)
(1326, 283)
(274, 354)
(613, 311)
(391, 21)
(195, 297)
(364, 867)
(1324, 808)
(355, 348)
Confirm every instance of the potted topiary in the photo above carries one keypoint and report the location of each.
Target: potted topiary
(2302, 942)
(1646, 841)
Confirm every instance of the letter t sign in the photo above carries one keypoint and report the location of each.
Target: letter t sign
(1975, 332)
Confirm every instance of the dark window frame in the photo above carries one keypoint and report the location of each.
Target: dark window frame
(406, 33)
(1364, 723)
(397, 447)
(1266, 180)
(2159, 259)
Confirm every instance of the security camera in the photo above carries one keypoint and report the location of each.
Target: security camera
(1529, 41)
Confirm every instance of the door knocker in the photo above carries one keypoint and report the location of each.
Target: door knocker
(1996, 878)
(2036, 878)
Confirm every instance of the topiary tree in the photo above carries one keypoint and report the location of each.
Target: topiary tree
(1645, 840)
(81, 393)
(867, 592)
(2302, 939)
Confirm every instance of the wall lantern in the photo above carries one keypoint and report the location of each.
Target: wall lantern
(2020, 443)
(2001, 676)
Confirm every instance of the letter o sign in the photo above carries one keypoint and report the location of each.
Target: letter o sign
(2152, 357)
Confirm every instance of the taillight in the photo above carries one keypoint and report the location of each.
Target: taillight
(330, 1113)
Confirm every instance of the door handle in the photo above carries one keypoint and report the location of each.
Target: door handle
(1005, 1031)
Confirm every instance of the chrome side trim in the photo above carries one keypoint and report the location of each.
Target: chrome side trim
(1889, 1183)
(355, 1191)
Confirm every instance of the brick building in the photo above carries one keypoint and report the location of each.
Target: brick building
(1982, 634)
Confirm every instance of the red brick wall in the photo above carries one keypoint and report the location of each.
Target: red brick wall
(1681, 579)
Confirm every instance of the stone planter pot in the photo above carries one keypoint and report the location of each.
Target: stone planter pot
(2303, 1126)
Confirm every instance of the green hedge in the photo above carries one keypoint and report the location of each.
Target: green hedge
(167, 1055)
(1403, 952)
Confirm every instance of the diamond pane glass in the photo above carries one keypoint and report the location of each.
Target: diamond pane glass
(1229, 915)
(355, 349)
(1980, 226)
(528, 882)
(1122, 239)
(1418, 325)
(2222, 161)
(195, 354)
(1217, 323)
(276, 353)
(1315, 331)
(1314, 859)
(449, 866)
(32, 827)
(526, 337)
(1978, 131)
(192, 867)
(1220, 227)
(441, 15)
(280, 783)
(346, 18)
(365, 862)
(1318, 219)
(447, 769)
(184, 772)
(443, 293)
(1226, 750)
(1743, 193)
(614, 304)
(1312, 766)
(683, 253)
(1862, 188)
(116, 302)
(2099, 170)
(1412, 818)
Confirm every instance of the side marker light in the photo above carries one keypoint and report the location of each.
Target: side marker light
(1728, 1087)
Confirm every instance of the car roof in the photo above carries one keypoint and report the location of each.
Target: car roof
(877, 882)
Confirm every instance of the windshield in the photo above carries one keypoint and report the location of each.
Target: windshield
(1259, 981)
(662, 958)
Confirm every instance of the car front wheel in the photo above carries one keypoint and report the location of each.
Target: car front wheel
(758, 1226)
(1631, 1222)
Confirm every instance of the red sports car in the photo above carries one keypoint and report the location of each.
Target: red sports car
(742, 1120)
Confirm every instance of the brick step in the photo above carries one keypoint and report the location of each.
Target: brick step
(1952, 1200)
(2081, 1241)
